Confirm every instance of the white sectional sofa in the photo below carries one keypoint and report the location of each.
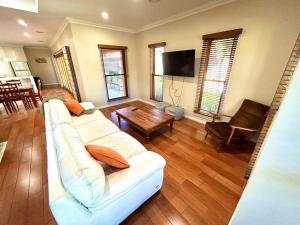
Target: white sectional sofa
(83, 190)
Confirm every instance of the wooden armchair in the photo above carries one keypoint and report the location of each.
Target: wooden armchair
(248, 120)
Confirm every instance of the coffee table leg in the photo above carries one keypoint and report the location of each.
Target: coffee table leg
(171, 125)
(119, 121)
(147, 137)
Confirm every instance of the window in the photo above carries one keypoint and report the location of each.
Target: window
(65, 71)
(157, 80)
(217, 57)
(115, 72)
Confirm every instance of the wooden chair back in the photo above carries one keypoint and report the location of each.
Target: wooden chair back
(11, 91)
(40, 90)
(17, 82)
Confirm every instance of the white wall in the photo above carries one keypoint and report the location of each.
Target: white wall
(43, 70)
(272, 194)
(86, 39)
(270, 30)
(14, 53)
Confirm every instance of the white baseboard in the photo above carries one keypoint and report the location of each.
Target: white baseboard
(194, 118)
(118, 102)
(52, 84)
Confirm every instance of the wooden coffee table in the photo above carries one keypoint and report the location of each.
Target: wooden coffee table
(145, 120)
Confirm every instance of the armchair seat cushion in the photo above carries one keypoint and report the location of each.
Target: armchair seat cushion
(222, 130)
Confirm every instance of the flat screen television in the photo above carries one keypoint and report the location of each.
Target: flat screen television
(179, 63)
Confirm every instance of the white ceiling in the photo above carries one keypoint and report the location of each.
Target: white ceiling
(131, 14)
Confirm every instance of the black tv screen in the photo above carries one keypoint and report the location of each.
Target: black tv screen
(179, 63)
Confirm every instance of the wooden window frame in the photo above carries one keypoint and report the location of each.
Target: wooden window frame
(152, 48)
(123, 50)
(206, 51)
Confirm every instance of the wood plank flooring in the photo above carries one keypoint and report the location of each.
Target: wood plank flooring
(200, 186)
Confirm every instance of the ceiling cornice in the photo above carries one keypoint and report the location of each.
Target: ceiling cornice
(179, 16)
(5, 44)
(183, 15)
(36, 47)
(58, 33)
(99, 25)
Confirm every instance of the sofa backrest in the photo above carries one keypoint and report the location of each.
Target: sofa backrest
(81, 175)
(58, 113)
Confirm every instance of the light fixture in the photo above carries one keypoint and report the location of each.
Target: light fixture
(22, 23)
(39, 31)
(104, 15)
(27, 35)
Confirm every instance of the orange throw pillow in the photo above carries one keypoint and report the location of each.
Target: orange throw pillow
(107, 155)
(74, 107)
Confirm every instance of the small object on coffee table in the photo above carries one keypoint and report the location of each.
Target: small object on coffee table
(146, 121)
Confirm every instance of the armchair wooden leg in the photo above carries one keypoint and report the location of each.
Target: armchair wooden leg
(206, 135)
(230, 136)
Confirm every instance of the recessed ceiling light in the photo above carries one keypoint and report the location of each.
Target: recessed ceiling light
(104, 15)
(39, 32)
(27, 35)
(22, 23)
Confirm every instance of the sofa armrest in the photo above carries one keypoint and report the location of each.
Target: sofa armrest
(142, 167)
(87, 105)
(147, 162)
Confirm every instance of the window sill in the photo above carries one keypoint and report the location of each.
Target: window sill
(116, 99)
(155, 99)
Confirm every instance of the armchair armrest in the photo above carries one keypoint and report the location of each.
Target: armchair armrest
(243, 128)
(240, 128)
(216, 115)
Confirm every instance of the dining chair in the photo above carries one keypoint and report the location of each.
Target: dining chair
(4, 100)
(13, 94)
(17, 82)
(39, 94)
(26, 96)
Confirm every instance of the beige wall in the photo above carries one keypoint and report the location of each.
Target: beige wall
(43, 70)
(83, 41)
(270, 31)
(86, 39)
(66, 39)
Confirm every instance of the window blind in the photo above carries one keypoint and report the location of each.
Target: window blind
(66, 72)
(216, 61)
(156, 70)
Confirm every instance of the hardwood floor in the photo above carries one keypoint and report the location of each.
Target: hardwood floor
(200, 186)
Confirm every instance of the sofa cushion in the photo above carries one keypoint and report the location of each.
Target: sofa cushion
(81, 175)
(107, 155)
(58, 112)
(125, 145)
(93, 130)
(74, 107)
(85, 118)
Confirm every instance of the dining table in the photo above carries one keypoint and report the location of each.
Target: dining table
(30, 91)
